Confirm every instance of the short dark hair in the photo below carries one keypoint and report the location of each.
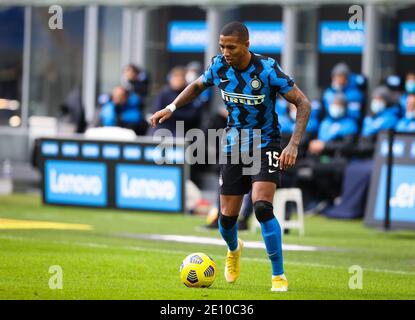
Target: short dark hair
(236, 28)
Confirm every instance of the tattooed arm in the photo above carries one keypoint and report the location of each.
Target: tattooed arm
(289, 154)
(191, 92)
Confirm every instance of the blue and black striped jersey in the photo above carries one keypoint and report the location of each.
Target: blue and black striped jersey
(249, 96)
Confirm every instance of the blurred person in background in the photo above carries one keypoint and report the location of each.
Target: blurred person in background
(136, 80)
(320, 175)
(123, 110)
(72, 110)
(200, 113)
(194, 71)
(189, 114)
(394, 83)
(340, 83)
(176, 82)
(336, 130)
(201, 103)
(381, 116)
(407, 123)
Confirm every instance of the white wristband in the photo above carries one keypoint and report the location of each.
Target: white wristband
(171, 107)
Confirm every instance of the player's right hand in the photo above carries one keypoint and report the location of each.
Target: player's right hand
(288, 156)
(160, 117)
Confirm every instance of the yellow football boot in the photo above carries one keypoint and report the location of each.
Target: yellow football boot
(232, 265)
(279, 283)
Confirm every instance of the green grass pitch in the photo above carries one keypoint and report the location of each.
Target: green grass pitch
(102, 264)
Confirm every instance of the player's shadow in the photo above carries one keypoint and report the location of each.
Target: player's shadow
(402, 236)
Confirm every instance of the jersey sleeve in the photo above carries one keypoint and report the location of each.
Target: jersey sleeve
(208, 76)
(279, 81)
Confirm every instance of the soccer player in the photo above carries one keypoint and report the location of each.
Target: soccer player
(249, 84)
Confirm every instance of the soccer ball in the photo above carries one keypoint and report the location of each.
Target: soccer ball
(198, 270)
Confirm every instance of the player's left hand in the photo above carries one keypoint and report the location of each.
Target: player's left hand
(288, 156)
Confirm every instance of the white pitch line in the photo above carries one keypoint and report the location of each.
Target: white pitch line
(214, 241)
(182, 252)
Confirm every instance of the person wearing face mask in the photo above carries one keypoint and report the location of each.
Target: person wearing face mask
(407, 123)
(340, 84)
(194, 71)
(409, 89)
(382, 115)
(336, 129)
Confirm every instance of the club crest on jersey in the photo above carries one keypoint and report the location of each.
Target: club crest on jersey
(243, 98)
(255, 83)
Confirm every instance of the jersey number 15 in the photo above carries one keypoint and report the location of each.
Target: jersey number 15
(273, 158)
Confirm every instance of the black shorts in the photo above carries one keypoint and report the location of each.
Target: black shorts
(233, 181)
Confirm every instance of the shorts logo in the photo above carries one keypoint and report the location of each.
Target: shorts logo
(255, 83)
